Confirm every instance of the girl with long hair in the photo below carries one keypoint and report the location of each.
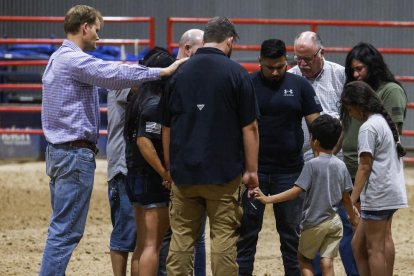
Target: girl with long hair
(379, 180)
(365, 63)
(146, 171)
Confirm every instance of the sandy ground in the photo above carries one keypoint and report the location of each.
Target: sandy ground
(25, 211)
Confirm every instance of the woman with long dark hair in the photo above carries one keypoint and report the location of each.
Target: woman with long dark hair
(379, 179)
(146, 171)
(365, 63)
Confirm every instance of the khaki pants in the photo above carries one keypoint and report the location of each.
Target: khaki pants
(187, 210)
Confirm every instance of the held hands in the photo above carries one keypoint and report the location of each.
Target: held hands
(258, 194)
(251, 181)
(165, 72)
(355, 221)
(167, 180)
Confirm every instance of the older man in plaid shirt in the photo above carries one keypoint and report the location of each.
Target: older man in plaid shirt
(327, 78)
(70, 119)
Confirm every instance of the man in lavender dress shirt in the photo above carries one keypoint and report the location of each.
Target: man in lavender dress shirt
(70, 120)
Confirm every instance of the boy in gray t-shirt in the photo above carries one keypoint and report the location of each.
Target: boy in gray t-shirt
(326, 181)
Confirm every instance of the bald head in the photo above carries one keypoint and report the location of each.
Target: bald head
(309, 53)
(190, 41)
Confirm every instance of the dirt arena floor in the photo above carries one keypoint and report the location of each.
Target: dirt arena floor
(25, 211)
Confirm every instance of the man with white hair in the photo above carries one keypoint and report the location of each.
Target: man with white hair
(190, 41)
(327, 79)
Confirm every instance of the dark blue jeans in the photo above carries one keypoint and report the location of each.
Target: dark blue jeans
(288, 216)
(345, 249)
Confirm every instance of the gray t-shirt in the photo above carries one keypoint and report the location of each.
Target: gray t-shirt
(115, 148)
(385, 188)
(324, 179)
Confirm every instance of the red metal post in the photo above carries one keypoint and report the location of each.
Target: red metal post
(169, 34)
(313, 28)
(152, 32)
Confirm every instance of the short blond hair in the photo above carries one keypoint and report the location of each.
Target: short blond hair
(78, 15)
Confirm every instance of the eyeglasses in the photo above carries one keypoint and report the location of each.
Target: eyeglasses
(306, 59)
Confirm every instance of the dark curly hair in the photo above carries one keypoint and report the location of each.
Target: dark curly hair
(360, 95)
(377, 68)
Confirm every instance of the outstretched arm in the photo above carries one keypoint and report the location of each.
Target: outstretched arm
(285, 196)
(165, 72)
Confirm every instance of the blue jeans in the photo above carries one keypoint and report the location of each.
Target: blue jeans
(200, 252)
(71, 170)
(288, 216)
(345, 249)
(124, 234)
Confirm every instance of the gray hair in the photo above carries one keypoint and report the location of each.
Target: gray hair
(316, 39)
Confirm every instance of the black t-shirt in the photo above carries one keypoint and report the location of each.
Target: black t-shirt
(280, 128)
(149, 128)
(206, 104)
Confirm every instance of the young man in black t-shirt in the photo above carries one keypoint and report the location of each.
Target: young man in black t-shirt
(284, 99)
(209, 116)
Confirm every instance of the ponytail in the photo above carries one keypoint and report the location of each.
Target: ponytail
(400, 149)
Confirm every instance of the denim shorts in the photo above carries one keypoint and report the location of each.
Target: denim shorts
(378, 215)
(146, 190)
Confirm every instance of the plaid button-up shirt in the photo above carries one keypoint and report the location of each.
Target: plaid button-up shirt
(328, 87)
(70, 105)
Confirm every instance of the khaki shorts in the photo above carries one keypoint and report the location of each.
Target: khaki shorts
(324, 237)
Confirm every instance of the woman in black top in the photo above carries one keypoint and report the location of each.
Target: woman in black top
(146, 171)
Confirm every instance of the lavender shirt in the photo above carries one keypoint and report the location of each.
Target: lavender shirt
(70, 107)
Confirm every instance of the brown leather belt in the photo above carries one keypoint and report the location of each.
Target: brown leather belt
(83, 144)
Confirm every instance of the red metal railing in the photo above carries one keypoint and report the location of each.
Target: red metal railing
(312, 23)
(150, 42)
(34, 109)
(150, 20)
(44, 62)
(251, 67)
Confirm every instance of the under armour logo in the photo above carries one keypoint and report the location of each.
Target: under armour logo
(200, 106)
(288, 92)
